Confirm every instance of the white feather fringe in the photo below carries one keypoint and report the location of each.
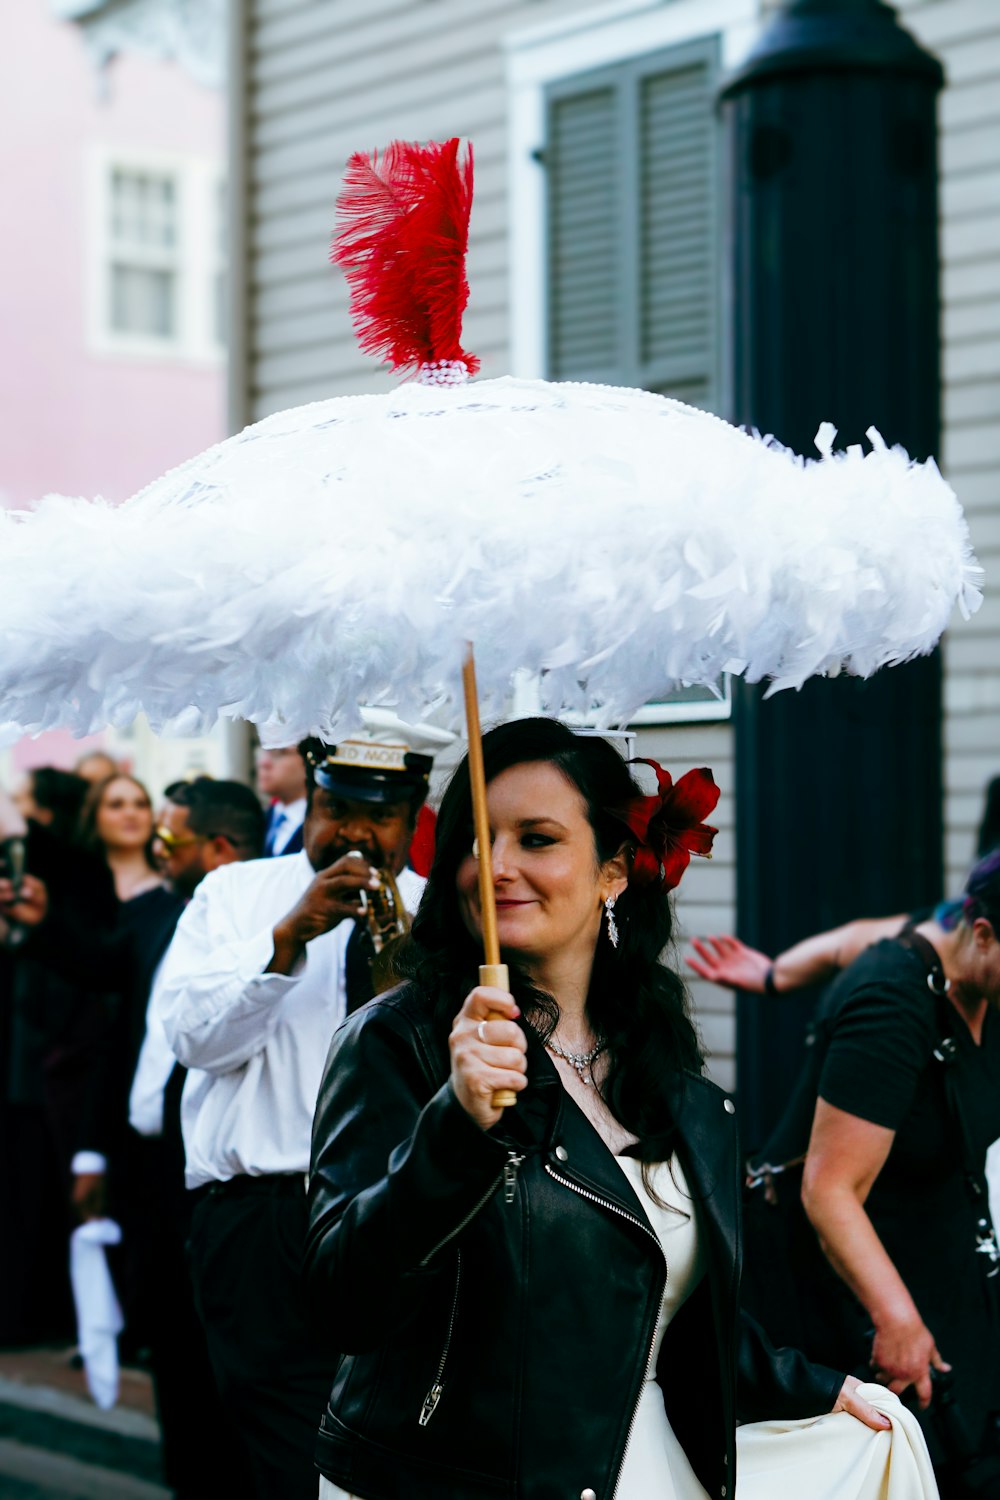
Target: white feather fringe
(340, 553)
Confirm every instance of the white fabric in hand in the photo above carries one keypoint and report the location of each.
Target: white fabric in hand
(836, 1457)
(99, 1318)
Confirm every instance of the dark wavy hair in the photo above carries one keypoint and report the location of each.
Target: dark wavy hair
(636, 1003)
(62, 794)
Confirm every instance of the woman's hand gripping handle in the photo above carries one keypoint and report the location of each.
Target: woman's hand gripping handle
(488, 1052)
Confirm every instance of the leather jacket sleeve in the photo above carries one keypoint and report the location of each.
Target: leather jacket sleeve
(398, 1169)
(779, 1382)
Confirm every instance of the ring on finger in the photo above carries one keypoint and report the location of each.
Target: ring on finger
(481, 1031)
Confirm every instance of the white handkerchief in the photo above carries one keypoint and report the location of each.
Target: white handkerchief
(99, 1318)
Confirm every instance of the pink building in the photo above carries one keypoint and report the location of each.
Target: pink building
(111, 278)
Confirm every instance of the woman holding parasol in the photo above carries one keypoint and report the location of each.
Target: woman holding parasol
(542, 1300)
(687, 549)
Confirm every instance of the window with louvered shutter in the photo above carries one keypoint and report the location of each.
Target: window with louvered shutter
(632, 161)
(633, 170)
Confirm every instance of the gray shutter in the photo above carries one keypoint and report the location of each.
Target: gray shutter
(634, 258)
(583, 305)
(678, 275)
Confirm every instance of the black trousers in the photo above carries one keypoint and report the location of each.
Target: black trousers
(272, 1372)
(197, 1435)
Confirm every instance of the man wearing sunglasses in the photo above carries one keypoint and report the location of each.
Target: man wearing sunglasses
(203, 826)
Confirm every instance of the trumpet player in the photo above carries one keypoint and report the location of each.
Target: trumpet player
(267, 959)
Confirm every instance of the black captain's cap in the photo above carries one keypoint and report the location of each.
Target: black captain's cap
(389, 761)
(368, 771)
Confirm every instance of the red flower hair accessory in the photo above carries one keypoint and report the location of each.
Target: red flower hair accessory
(668, 827)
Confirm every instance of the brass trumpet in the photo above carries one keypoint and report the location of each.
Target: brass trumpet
(383, 911)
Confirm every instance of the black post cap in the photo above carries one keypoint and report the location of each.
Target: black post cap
(815, 36)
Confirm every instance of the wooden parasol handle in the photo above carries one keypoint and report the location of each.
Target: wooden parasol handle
(492, 972)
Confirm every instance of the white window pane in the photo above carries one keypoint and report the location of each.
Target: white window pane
(221, 329)
(144, 208)
(143, 301)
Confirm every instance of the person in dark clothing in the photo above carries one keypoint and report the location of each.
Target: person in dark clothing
(205, 824)
(988, 837)
(39, 1026)
(896, 1108)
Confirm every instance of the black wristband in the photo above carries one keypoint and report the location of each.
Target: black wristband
(770, 988)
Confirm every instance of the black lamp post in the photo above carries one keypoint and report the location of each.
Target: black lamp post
(832, 124)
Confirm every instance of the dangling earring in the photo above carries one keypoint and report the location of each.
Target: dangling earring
(609, 907)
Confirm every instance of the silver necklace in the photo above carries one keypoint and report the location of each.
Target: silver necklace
(582, 1063)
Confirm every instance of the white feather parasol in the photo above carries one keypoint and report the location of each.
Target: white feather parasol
(616, 542)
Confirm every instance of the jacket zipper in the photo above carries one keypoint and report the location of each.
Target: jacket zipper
(509, 1179)
(631, 1218)
(434, 1394)
(510, 1176)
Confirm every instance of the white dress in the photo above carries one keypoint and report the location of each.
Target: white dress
(831, 1457)
(655, 1466)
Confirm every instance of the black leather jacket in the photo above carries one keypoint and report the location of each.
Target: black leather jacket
(494, 1295)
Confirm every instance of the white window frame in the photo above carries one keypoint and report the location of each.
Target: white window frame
(617, 31)
(198, 256)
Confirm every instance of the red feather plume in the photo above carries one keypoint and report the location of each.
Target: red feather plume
(401, 240)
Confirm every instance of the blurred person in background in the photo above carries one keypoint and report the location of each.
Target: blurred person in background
(202, 826)
(988, 837)
(52, 799)
(281, 776)
(94, 919)
(96, 766)
(42, 1043)
(58, 1003)
(117, 823)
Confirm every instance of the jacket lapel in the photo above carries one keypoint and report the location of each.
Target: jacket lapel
(710, 1154)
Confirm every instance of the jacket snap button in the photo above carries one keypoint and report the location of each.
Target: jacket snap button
(722, 1492)
(563, 1155)
(587, 1494)
(730, 1107)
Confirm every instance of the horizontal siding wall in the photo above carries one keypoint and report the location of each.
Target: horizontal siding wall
(325, 80)
(706, 897)
(965, 34)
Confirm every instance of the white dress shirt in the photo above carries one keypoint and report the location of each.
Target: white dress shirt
(153, 1070)
(256, 1042)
